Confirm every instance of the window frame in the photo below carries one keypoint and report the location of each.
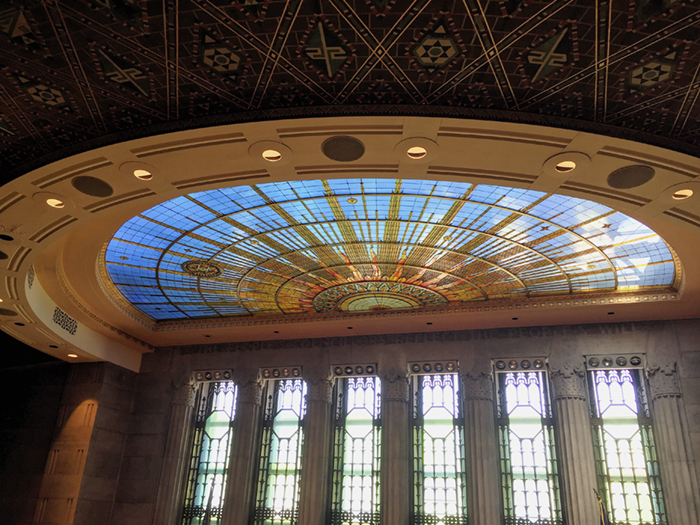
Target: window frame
(193, 514)
(261, 514)
(343, 377)
(418, 516)
(552, 474)
(635, 365)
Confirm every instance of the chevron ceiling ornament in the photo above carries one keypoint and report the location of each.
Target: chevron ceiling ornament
(154, 65)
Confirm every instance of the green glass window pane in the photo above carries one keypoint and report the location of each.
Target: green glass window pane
(207, 476)
(626, 463)
(439, 483)
(528, 459)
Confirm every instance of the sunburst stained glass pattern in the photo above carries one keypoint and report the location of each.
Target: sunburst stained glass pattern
(209, 462)
(626, 461)
(273, 248)
(439, 476)
(528, 459)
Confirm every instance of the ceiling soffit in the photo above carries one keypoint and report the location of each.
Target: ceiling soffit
(482, 230)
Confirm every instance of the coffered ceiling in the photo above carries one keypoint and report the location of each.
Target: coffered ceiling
(77, 75)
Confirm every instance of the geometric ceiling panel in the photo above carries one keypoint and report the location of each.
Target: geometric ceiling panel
(372, 244)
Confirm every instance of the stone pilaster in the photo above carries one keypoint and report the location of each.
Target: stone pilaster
(395, 472)
(316, 458)
(241, 471)
(577, 462)
(673, 445)
(176, 456)
(483, 476)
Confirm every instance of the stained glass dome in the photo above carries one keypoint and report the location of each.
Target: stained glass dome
(369, 244)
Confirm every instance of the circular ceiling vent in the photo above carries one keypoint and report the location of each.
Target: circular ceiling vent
(343, 149)
(92, 186)
(630, 177)
(9, 313)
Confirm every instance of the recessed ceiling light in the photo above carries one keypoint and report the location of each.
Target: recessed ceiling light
(143, 174)
(611, 313)
(447, 238)
(271, 155)
(19, 324)
(55, 203)
(276, 332)
(0, 300)
(53, 346)
(682, 194)
(352, 200)
(565, 166)
(515, 318)
(6, 237)
(72, 356)
(416, 152)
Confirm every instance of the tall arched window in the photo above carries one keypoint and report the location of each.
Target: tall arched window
(356, 446)
(439, 479)
(529, 471)
(277, 499)
(626, 461)
(208, 470)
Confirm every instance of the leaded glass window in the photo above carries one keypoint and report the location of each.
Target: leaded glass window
(529, 471)
(355, 498)
(626, 461)
(439, 480)
(277, 500)
(208, 469)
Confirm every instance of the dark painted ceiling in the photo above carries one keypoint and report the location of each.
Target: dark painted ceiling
(84, 73)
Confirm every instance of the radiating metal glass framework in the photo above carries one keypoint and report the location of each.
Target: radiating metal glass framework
(364, 244)
(529, 471)
(277, 499)
(355, 497)
(204, 496)
(626, 460)
(439, 479)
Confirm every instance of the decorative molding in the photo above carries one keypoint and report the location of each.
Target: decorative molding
(395, 388)
(114, 295)
(569, 382)
(477, 387)
(388, 110)
(534, 332)
(663, 380)
(250, 391)
(488, 306)
(74, 300)
(184, 394)
(319, 388)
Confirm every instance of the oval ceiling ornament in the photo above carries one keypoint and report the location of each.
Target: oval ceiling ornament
(371, 244)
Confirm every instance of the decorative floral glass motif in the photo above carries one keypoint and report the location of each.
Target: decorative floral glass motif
(209, 462)
(356, 453)
(439, 479)
(626, 461)
(277, 500)
(528, 459)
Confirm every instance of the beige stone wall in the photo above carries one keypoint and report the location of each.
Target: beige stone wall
(115, 479)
